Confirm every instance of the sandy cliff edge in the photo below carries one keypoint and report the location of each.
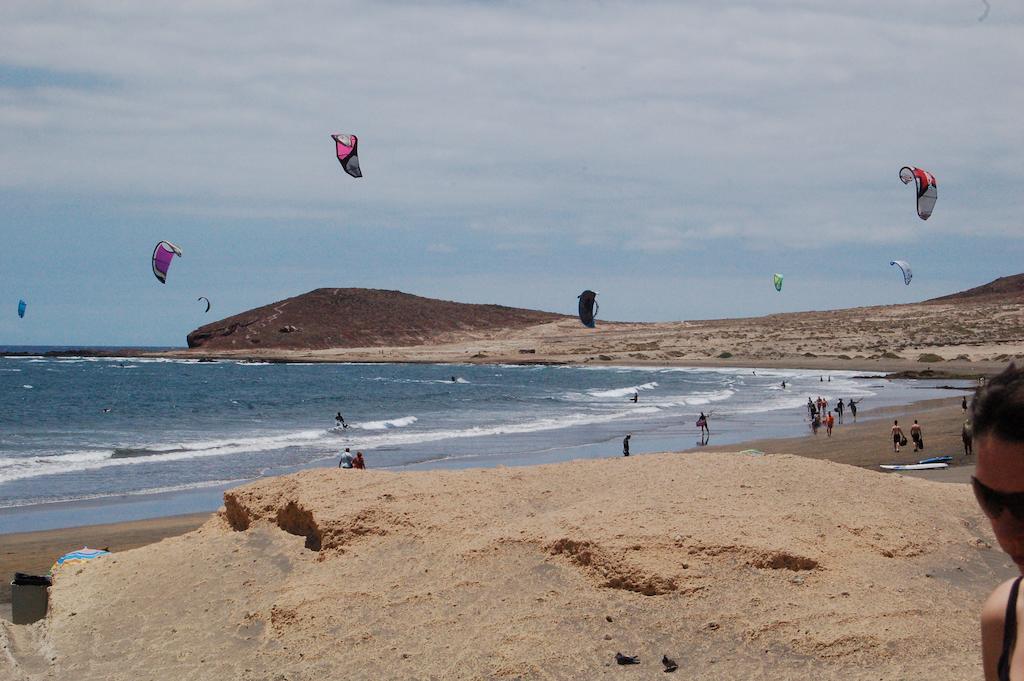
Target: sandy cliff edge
(737, 566)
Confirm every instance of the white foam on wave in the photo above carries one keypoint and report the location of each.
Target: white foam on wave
(27, 386)
(386, 423)
(184, 487)
(392, 438)
(623, 392)
(387, 379)
(18, 468)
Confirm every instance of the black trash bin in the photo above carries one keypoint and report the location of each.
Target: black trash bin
(29, 597)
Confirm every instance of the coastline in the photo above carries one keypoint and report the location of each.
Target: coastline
(864, 444)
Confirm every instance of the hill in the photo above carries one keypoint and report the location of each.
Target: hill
(357, 318)
(1011, 288)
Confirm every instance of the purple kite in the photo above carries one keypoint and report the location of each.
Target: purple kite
(162, 256)
(348, 153)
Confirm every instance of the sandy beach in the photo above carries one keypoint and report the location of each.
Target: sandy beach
(737, 566)
(867, 442)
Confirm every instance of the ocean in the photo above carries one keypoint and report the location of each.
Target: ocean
(86, 439)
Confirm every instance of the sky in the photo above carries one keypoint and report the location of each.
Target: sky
(670, 156)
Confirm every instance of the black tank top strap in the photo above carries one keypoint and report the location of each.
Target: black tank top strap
(1009, 631)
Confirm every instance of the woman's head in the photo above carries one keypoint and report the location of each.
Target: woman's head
(997, 417)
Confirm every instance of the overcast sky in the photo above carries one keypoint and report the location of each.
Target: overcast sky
(670, 156)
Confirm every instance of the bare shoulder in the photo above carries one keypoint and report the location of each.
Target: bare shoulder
(993, 617)
(994, 610)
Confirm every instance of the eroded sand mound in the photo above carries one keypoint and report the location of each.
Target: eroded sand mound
(737, 567)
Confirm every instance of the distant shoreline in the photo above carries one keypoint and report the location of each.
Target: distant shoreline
(885, 368)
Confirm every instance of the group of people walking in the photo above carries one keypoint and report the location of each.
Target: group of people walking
(820, 415)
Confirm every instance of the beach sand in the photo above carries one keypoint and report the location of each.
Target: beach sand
(736, 566)
(35, 552)
(868, 443)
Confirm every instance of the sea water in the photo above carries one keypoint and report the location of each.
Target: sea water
(106, 429)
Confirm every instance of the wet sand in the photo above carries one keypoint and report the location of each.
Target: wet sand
(867, 441)
(35, 552)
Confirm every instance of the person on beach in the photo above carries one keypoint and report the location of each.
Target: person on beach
(346, 459)
(967, 435)
(625, 444)
(810, 408)
(916, 436)
(815, 423)
(340, 420)
(963, 404)
(829, 422)
(997, 417)
(702, 423)
(359, 462)
(839, 410)
(897, 436)
(853, 408)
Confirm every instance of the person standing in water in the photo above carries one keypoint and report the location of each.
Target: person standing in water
(829, 422)
(625, 444)
(853, 408)
(963, 404)
(839, 409)
(702, 423)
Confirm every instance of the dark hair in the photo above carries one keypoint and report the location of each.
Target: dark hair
(998, 406)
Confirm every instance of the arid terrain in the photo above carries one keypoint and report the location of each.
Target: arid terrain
(971, 332)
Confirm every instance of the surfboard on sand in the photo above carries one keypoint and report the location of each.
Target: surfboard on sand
(937, 459)
(913, 466)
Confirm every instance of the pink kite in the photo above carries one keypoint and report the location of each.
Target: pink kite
(348, 153)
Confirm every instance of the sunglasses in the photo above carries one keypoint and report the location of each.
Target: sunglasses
(993, 502)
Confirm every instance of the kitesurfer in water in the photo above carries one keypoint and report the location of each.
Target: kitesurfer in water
(636, 396)
(625, 444)
(341, 421)
(453, 380)
(783, 385)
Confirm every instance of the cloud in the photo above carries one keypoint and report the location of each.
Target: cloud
(599, 114)
(517, 132)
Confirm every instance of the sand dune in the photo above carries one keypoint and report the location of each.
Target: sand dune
(736, 566)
